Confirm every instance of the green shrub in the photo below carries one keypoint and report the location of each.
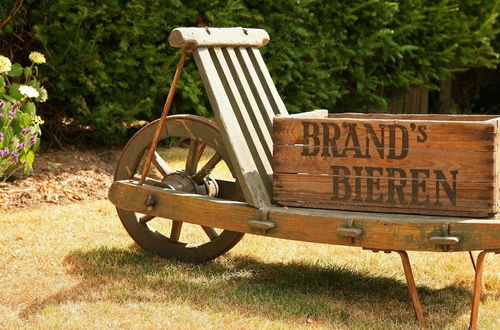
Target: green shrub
(356, 55)
(111, 64)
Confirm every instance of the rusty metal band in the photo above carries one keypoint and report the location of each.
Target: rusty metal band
(164, 115)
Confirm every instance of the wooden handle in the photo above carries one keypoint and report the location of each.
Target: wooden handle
(213, 37)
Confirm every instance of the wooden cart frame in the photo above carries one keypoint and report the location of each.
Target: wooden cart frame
(245, 101)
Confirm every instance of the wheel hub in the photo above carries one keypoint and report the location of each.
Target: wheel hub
(181, 181)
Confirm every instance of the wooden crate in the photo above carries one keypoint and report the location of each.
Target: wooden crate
(424, 164)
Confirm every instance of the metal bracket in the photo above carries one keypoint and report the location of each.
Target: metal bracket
(350, 231)
(445, 240)
(264, 225)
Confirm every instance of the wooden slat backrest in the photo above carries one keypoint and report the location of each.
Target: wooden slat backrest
(245, 101)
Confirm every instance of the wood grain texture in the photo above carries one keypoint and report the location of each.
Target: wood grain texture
(267, 81)
(496, 191)
(472, 198)
(243, 97)
(263, 107)
(183, 126)
(318, 113)
(211, 37)
(253, 121)
(421, 164)
(454, 135)
(254, 184)
(380, 231)
(245, 101)
(471, 166)
(441, 117)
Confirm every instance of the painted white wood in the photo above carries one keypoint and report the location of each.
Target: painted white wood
(260, 65)
(252, 185)
(318, 113)
(257, 85)
(253, 106)
(243, 97)
(251, 133)
(193, 37)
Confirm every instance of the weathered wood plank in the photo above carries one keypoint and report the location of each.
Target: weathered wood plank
(260, 121)
(440, 117)
(247, 173)
(263, 73)
(350, 162)
(230, 190)
(255, 136)
(380, 231)
(383, 231)
(196, 149)
(383, 194)
(469, 165)
(318, 113)
(213, 37)
(479, 136)
(257, 86)
(496, 167)
(183, 126)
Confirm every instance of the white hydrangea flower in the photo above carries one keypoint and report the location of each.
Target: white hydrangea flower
(38, 120)
(28, 91)
(43, 94)
(5, 64)
(37, 58)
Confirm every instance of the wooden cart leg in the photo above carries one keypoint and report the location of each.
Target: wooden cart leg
(478, 278)
(412, 289)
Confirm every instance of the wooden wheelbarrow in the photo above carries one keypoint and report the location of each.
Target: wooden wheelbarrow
(245, 104)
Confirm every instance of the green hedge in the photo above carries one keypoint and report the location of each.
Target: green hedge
(110, 64)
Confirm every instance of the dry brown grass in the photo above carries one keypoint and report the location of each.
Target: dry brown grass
(74, 266)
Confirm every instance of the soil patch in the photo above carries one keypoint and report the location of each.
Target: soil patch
(61, 177)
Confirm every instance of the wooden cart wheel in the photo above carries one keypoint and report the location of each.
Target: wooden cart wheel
(168, 242)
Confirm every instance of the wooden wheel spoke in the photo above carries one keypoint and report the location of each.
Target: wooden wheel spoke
(145, 218)
(207, 168)
(151, 181)
(196, 149)
(211, 233)
(166, 242)
(175, 232)
(161, 165)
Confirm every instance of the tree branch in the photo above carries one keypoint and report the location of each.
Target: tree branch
(19, 4)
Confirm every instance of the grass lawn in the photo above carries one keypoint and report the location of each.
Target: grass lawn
(74, 266)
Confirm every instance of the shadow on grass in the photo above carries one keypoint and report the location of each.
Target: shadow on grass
(340, 295)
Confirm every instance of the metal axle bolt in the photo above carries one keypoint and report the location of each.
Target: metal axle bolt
(150, 202)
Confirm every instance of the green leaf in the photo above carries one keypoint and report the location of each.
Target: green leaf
(29, 108)
(30, 158)
(7, 136)
(27, 72)
(8, 98)
(25, 120)
(14, 92)
(16, 70)
(35, 84)
(37, 144)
